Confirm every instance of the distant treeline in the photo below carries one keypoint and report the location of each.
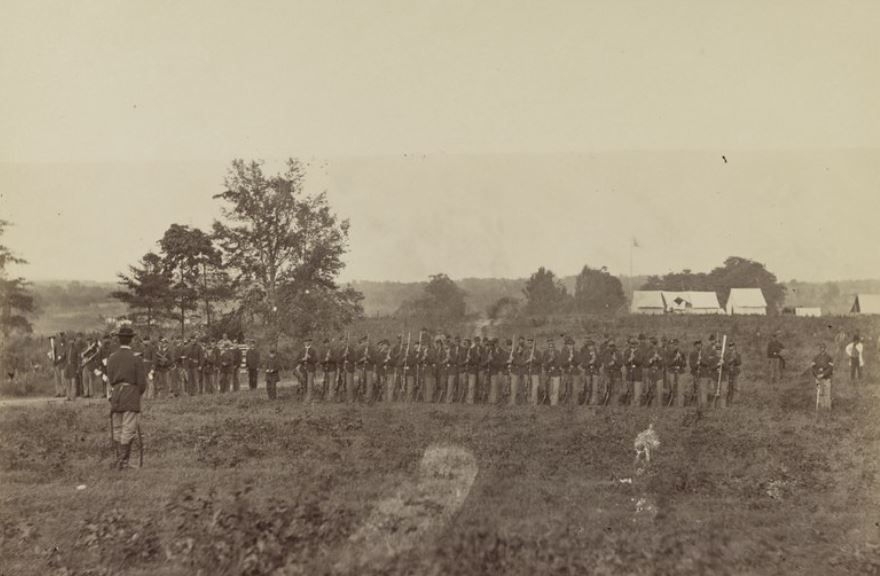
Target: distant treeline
(85, 306)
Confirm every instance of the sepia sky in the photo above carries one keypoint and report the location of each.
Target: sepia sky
(474, 138)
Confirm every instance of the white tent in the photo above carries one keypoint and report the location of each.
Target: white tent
(647, 302)
(866, 304)
(692, 303)
(806, 312)
(746, 301)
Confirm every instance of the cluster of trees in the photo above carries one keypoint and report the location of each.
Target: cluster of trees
(16, 308)
(736, 272)
(16, 301)
(271, 260)
(596, 292)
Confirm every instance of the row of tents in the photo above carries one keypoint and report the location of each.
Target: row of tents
(742, 301)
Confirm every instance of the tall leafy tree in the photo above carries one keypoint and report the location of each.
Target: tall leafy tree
(146, 288)
(683, 281)
(183, 249)
(597, 291)
(736, 272)
(285, 245)
(16, 301)
(442, 299)
(740, 272)
(545, 293)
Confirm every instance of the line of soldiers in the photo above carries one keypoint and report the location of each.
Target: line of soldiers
(176, 367)
(78, 364)
(446, 369)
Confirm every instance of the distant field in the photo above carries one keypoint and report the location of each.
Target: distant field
(235, 484)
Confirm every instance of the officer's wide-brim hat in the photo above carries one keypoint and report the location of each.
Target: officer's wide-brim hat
(125, 331)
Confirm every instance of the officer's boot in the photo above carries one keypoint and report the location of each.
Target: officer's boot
(124, 454)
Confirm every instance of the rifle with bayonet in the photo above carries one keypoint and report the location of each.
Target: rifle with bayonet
(406, 360)
(720, 372)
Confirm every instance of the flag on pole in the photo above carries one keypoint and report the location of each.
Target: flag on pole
(635, 242)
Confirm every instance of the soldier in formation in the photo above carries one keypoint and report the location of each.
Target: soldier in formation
(647, 372)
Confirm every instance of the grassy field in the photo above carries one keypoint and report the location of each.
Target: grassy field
(235, 484)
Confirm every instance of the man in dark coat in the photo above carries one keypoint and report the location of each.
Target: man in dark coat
(252, 363)
(128, 382)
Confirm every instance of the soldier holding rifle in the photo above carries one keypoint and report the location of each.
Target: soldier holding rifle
(449, 366)
(514, 368)
(732, 363)
(656, 364)
(612, 364)
(675, 365)
(569, 370)
(697, 365)
(823, 368)
(472, 363)
(272, 375)
(328, 370)
(306, 367)
(633, 374)
(347, 366)
(410, 369)
(365, 373)
(592, 369)
(552, 364)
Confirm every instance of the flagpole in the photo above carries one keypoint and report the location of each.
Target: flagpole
(631, 245)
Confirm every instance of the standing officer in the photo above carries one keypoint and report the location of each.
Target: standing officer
(252, 363)
(236, 364)
(775, 359)
(128, 382)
